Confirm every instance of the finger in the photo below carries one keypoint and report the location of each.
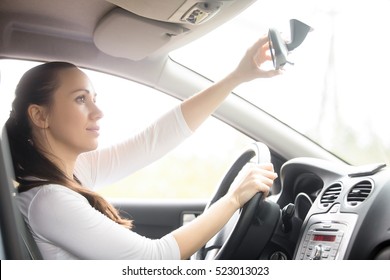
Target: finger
(261, 175)
(264, 165)
(265, 50)
(259, 170)
(263, 54)
(267, 176)
(270, 176)
(263, 187)
(270, 73)
(266, 180)
(263, 181)
(261, 43)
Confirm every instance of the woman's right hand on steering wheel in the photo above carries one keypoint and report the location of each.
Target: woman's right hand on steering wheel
(253, 178)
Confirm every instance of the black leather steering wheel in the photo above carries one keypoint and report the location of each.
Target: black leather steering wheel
(256, 216)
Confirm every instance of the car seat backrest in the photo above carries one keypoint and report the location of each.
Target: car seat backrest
(17, 239)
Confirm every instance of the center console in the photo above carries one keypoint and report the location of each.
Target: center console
(326, 236)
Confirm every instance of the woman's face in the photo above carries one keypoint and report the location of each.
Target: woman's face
(73, 117)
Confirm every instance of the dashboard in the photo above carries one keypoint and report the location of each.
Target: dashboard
(332, 212)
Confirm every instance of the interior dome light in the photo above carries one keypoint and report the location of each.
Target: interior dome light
(201, 12)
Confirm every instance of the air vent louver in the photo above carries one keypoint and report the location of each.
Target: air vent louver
(330, 195)
(359, 193)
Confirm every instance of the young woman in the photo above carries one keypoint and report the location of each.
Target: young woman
(53, 132)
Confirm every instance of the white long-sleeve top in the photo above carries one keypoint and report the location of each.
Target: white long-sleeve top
(66, 226)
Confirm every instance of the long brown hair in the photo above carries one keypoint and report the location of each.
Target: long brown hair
(32, 168)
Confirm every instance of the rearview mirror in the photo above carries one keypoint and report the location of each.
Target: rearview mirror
(279, 48)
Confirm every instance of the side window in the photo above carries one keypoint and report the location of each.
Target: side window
(191, 171)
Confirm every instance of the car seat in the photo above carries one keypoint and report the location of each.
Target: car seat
(17, 242)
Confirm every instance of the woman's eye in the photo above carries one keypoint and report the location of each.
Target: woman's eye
(80, 99)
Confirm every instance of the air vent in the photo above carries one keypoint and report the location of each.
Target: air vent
(359, 193)
(330, 195)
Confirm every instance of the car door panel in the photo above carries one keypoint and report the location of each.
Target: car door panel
(154, 219)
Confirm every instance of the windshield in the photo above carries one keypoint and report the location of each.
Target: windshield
(335, 93)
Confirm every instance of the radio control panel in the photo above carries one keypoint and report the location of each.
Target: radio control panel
(326, 237)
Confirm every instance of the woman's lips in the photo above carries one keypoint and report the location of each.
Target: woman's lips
(94, 129)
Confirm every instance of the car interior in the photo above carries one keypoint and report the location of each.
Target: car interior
(320, 208)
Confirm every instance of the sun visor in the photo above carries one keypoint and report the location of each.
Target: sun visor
(124, 34)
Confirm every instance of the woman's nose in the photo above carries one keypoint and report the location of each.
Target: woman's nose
(96, 113)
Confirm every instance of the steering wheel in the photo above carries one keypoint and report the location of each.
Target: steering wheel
(256, 220)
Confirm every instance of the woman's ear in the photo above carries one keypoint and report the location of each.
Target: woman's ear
(38, 116)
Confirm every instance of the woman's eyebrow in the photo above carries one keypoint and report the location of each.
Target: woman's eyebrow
(80, 89)
(85, 90)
